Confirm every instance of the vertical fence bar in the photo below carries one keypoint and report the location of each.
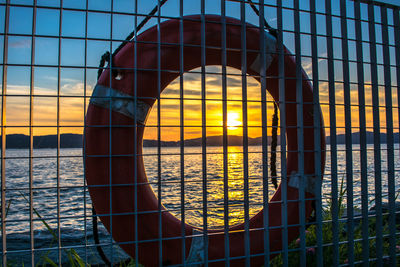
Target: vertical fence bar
(182, 129)
(389, 137)
(135, 177)
(348, 135)
(110, 153)
(85, 216)
(3, 135)
(376, 126)
(58, 134)
(396, 20)
(300, 132)
(160, 252)
(204, 130)
(111, 143)
(31, 92)
(263, 87)
(135, 129)
(225, 132)
(363, 134)
(245, 133)
(317, 133)
(332, 130)
(282, 108)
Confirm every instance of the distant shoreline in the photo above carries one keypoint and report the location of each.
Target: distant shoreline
(21, 141)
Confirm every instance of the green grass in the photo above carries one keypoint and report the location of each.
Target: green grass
(73, 259)
(327, 237)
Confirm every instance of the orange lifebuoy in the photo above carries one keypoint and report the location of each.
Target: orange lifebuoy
(116, 176)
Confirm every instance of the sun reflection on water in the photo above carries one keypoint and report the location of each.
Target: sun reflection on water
(204, 183)
(194, 184)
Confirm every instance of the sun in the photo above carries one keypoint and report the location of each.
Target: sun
(233, 120)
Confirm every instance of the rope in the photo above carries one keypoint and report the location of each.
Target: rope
(99, 248)
(274, 144)
(274, 141)
(96, 239)
(271, 30)
(105, 57)
(109, 58)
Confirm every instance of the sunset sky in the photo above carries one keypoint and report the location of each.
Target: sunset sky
(71, 58)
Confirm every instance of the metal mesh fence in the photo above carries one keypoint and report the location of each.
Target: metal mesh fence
(165, 154)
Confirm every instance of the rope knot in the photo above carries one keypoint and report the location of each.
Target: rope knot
(273, 32)
(106, 57)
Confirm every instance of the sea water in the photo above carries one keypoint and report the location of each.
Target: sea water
(60, 198)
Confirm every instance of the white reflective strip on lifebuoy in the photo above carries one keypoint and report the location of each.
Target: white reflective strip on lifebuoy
(270, 52)
(110, 98)
(196, 253)
(309, 182)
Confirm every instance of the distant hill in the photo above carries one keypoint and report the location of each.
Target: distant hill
(233, 140)
(76, 140)
(44, 141)
(355, 137)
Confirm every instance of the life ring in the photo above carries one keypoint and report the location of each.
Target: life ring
(110, 143)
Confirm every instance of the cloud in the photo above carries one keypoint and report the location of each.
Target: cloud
(66, 80)
(75, 89)
(17, 89)
(72, 108)
(21, 43)
(44, 108)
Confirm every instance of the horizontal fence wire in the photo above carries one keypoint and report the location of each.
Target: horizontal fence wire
(167, 157)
